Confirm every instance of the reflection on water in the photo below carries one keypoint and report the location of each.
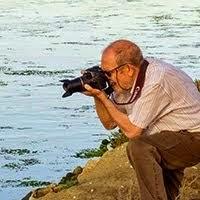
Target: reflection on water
(44, 41)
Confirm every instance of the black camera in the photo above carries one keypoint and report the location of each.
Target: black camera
(93, 76)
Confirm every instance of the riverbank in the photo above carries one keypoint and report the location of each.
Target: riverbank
(111, 177)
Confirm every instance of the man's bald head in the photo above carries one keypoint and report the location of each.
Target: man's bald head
(124, 51)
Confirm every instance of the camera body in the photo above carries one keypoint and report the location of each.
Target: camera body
(93, 76)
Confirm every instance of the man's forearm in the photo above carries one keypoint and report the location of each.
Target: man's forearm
(104, 115)
(121, 119)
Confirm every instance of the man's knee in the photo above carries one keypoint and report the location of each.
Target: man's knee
(137, 148)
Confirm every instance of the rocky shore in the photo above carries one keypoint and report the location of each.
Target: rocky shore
(110, 177)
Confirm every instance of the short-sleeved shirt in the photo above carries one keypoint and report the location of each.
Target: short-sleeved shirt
(169, 100)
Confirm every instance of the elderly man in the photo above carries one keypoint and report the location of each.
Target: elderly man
(157, 106)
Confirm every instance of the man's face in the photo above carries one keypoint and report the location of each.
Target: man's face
(120, 77)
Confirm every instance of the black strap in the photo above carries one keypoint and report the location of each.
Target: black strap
(138, 85)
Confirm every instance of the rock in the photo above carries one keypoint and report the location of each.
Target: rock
(78, 170)
(191, 184)
(40, 192)
(27, 197)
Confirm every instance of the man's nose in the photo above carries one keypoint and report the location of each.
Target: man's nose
(112, 79)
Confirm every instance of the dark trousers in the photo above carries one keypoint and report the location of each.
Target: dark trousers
(159, 161)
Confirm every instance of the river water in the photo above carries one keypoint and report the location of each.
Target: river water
(43, 41)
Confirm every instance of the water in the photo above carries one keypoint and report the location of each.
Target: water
(43, 41)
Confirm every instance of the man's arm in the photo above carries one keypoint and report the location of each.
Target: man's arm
(120, 119)
(104, 115)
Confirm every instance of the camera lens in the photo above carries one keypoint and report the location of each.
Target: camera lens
(72, 86)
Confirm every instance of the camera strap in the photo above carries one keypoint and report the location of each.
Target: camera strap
(138, 85)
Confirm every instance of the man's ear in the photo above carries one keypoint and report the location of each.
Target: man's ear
(131, 70)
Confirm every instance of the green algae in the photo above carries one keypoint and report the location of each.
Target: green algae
(68, 184)
(37, 72)
(2, 83)
(71, 178)
(13, 166)
(161, 18)
(17, 151)
(90, 153)
(93, 152)
(6, 127)
(115, 139)
(22, 164)
(14, 151)
(31, 161)
(8, 183)
(32, 183)
(4, 68)
(25, 182)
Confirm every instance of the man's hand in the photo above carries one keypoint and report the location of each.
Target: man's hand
(89, 90)
(93, 92)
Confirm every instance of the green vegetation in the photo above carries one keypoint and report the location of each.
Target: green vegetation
(6, 127)
(23, 162)
(115, 139)
(12, 165)
(2, 83)
(21, 165)
(36, 72)
(32, 183)
(15, 151)
(68, 183)
(26, 182)
(93, 152)
(9, 183)
(71, 178)
(160, 18)
(31, 161)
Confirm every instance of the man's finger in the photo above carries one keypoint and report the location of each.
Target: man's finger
(88, 88)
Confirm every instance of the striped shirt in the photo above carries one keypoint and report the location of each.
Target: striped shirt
(169, 100)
